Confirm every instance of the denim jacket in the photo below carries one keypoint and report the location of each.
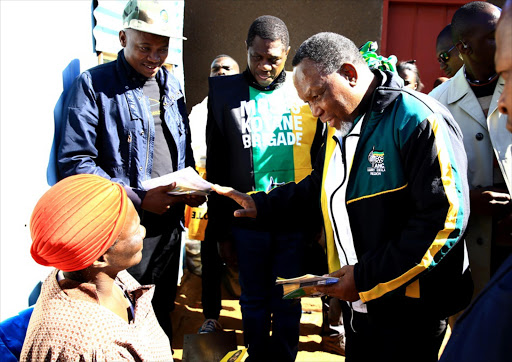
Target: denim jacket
(108, 128)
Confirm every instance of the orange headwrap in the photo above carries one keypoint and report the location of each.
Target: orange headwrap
(76, 221)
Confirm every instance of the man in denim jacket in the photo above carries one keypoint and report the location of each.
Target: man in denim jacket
(126, 121)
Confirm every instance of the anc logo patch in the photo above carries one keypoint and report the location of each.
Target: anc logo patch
(376, 160)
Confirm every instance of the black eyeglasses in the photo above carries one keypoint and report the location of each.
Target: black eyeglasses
(445, 56)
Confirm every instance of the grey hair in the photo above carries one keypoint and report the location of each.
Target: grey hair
(329, 51)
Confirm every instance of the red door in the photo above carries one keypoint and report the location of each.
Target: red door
(410, 29)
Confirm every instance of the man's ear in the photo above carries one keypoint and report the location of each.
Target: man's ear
(463, 48)
(101, 262)
(349, 72)
(122, 38)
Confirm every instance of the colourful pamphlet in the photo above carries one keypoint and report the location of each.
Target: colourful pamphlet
(304, 286)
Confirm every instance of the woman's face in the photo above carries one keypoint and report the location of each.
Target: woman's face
(127, 250)
(409, 78)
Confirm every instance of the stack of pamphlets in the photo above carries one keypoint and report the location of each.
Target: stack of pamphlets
(304, 286)
(187, 181)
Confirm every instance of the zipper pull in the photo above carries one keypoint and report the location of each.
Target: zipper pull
(129, 138)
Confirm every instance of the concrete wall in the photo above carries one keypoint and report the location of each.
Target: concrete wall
(220, 26)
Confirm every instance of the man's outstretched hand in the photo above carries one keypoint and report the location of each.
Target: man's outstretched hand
(244, 200)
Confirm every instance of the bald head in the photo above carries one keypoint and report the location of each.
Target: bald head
(473, 33)
(471, 15)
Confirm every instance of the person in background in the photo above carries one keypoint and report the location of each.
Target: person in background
(260, 135)
(482, 333)
(212, 264)
(221, 65)
(391, 187)
(447, 53)
(409, 72)
(439, 81)
(90, 308)
(472, 98)
(126, 121)
(503, 61)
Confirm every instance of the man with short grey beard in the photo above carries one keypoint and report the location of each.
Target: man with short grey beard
(392, 191)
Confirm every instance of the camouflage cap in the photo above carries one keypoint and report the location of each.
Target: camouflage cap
(148, 16)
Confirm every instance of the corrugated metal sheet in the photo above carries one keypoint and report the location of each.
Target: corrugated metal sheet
(108, 23)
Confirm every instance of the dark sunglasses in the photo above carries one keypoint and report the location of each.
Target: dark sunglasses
(445, 56)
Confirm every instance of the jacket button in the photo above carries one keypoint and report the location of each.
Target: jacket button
(479, 136)
(133, 106)
(140, 168)
(142, 133)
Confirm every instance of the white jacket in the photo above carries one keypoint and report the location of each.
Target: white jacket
(197, 120)
(481, 136)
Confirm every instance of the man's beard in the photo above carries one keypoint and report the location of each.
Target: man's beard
(345, 128)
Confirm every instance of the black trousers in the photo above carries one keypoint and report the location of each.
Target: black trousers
(160, 264)
(211, 278)
(398, 334)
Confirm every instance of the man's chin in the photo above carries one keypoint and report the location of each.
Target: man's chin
(344, 128)
(265, 83)
(149, 73)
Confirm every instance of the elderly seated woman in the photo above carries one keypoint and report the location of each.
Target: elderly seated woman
(90, 308)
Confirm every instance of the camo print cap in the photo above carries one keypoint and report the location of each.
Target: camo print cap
(148, 16)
